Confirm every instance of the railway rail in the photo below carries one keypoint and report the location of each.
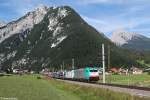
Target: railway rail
(132, 90)
(89, 76)
(115, 85)
(124, 86)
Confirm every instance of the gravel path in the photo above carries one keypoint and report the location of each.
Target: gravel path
(135, 92)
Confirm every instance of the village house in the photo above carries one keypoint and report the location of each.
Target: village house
(119, 71)
(124, 71)
(136, 70)
(115, 70)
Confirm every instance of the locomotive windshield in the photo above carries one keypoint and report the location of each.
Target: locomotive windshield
(93, 70)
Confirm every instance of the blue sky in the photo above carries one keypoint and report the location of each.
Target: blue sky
(105, 15)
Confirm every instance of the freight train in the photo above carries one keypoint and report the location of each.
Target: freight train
(82, 74)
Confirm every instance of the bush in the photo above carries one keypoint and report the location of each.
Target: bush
(149, 73)
(1, 75)
(38, 77)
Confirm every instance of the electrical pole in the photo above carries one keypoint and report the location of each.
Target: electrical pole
(72, 63)
(109, 58)
(103, 61)
(63, 65)
(109, 66)
(53, 70)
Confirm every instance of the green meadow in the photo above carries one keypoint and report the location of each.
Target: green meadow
(31, 87)
(137, 80)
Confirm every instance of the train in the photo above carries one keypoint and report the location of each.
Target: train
(82, 74)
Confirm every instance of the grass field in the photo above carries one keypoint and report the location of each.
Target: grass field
(30, 88)
(138, 80)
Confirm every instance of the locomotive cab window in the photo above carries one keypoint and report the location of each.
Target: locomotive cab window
(93, 70)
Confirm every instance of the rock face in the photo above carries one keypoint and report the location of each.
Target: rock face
(48, 36)
(131, 40)
(23, 24)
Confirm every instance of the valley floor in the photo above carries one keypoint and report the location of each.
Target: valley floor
(136, 80)
(33, 87)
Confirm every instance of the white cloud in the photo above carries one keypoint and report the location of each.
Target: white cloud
(126, 19)
(123, 2)
(88, 2)
(111, 24)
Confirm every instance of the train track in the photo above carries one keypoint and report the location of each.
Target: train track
(116, 85)
(132, 90)
(124, 86)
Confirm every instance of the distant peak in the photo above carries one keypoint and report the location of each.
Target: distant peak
(121, 38)
(2, 23)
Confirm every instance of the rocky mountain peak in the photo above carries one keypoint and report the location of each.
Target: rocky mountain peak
(41, 8)
(60, 34)
(131, 40)
(121, 38)
(24, 23)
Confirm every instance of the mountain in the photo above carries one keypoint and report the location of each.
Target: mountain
(26, 23)
(2, 23)
(131, 40)
(60, 35)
